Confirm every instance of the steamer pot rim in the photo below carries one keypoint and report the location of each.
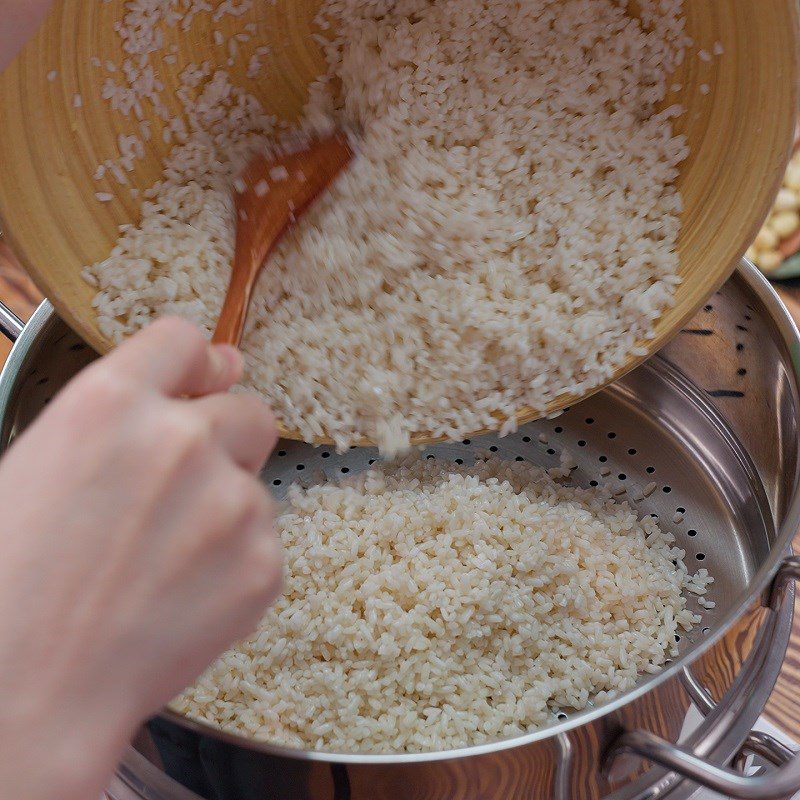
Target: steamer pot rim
(788, 332)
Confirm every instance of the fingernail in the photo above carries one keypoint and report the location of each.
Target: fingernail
(227, 359)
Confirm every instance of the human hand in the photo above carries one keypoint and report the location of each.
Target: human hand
(21, 18)
(137, 543)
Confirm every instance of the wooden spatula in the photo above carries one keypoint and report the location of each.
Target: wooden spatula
(270, 195)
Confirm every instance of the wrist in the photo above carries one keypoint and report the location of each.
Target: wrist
(51, 750)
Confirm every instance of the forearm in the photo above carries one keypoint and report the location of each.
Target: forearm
(53, 748)
(63, 737)
(21, 19)
(54, 759)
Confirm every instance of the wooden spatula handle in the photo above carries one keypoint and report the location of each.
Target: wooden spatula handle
(254, 243)
(230, 327)
(263, 217)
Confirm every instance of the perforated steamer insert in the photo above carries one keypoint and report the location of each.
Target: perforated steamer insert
(655, 438)
(703, 436)
(709, 500)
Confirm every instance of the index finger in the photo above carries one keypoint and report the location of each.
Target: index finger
(174, 357)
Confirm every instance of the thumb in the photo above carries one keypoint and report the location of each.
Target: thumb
(174, 357)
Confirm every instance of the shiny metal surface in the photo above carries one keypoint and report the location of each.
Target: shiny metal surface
(774, 785)
(141, 777)
(768, 748)
(698, 693)
(712, 422)
(10, 324)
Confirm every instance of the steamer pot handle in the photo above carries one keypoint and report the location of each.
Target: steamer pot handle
(766, 747)
(774, 785)
(10, 324)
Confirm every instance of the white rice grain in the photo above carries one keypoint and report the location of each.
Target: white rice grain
(477, 232)
(278, 174)
(429, 606)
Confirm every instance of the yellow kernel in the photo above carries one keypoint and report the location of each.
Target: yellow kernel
(787, 200)
(767, 239)
(792, 179)
(785, 223)
(769, 260)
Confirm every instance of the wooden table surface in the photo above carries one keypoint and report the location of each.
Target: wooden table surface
(19, 293)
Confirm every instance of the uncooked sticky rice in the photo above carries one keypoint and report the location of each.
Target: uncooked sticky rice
(506, 235)
(429, 605)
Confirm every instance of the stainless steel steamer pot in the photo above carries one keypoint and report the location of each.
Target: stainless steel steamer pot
(713, 423)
